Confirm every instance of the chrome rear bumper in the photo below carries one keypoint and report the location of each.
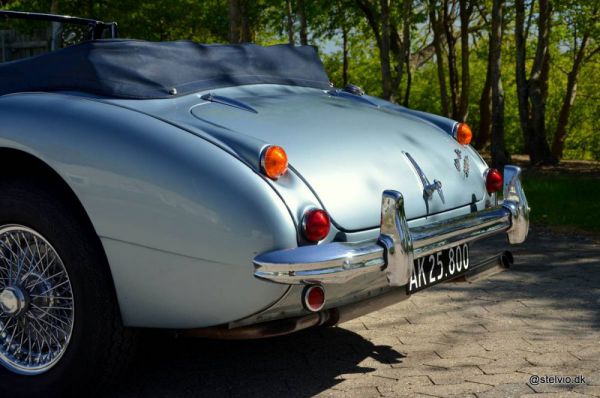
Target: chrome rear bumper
(398, 245)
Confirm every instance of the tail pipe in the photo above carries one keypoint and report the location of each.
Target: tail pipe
(262, 330)
(487, 268)
(334, 316)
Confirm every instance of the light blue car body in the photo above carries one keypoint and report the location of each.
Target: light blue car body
(174, 190)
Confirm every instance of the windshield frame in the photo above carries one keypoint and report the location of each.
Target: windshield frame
(97, 28)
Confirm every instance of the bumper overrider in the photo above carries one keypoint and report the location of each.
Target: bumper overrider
(398, 245)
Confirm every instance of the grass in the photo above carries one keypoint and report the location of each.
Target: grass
(570, 201)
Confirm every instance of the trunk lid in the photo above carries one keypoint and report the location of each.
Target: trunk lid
(349, 152)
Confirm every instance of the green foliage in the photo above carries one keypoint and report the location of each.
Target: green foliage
(565, 200)
(364, 64)
(207, 21)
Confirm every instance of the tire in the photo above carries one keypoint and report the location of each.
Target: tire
(33, 212)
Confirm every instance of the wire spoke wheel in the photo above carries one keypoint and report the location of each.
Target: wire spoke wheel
(37, 306)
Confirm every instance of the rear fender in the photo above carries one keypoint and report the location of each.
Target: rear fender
(179, 218)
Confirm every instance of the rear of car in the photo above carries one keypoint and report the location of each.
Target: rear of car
(386, 201)
(220, 191)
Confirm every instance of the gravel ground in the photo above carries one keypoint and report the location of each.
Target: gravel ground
(487, 339)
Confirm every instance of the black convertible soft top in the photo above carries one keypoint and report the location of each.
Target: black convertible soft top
(144, 70)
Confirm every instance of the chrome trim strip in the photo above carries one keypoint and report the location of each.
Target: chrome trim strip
(332, 261)
(219, 99)
(396, 238)
(398, 245)
(444, 234)
(516, 202)
(428, 188)
(351, 96)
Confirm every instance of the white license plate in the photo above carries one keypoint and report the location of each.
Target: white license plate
(438, 267)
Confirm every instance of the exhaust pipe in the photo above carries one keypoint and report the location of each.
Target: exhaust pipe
(488, 268)
(341, 314)
(261, 330)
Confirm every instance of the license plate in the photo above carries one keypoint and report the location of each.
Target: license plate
(438, 267)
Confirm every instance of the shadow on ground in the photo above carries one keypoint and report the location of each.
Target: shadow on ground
(554, 284)
(300, 365)
(541, 317)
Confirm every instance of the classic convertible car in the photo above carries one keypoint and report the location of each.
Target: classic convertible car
(224, 191)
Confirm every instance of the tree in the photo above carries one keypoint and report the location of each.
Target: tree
(335, 21)
(54, 41)
(521, 54)
(406, 39)
(499, 154)
(485, 101)
(290, 21)
(392, 50)
(443, 20)
(303, 23)
(532, 92)
(437, 26)
(345, 63)
(384, 49)
(466, 9)
(434, 53)
(448, 16)
(239, 26)
(584, 33)
(538, 88)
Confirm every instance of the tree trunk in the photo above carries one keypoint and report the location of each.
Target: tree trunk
(393, 50)
(290, 22)
(437, 43)
(246, 33)
(239, 26)
(558, 144)
(372, 19)
(521, 76)
(54, 41)
(384, 50)
(345, 55)
(499, 155)
(303, 23)
(406, 44)
(408, 83)
(465, 15)
(485, 106)
(448, 25)
(538, 145)
(235, 21)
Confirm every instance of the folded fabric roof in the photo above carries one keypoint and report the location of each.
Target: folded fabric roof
(145, 70)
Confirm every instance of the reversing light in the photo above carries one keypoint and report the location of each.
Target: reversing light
(314, 298)
(316, 225)
(274, 161)
(493, 181)
(464, 134)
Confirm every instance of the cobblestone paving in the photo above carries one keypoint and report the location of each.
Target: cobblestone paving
(470, 340)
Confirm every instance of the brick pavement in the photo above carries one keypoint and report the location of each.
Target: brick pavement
(470, 340)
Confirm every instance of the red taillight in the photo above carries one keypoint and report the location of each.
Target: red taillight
(315, 225)
(493, 181)
(314, 298)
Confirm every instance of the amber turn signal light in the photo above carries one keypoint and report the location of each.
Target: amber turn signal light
(464, 134)
(274, 161)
